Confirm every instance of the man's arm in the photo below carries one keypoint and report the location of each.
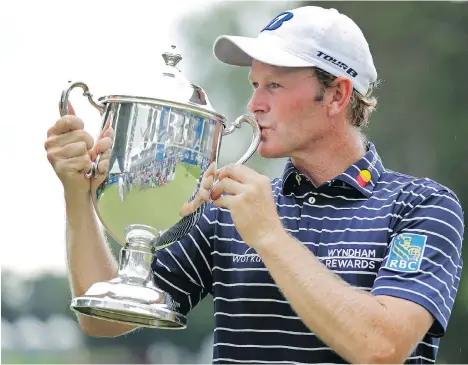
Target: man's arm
(404, 304)
(380, 327)
(90, 260)
(360, 327)
(70, 151)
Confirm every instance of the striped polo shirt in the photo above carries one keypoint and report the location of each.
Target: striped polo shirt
(381, 231)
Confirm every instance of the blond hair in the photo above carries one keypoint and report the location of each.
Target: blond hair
(360, 106)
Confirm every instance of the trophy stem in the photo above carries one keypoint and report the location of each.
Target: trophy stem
(140, 237)
(135, 259)
(132, 297)
(135, 266)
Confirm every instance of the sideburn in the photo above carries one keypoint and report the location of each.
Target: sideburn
(320, 94)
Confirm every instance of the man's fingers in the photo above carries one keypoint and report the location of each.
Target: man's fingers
(65, 124)
(228, 186)
(71, 111)
(103, 145)
(207, 183)
(105, 128)
(72, 150)
(68, 138)
(72, 165)
(224, 201)
(205, 194)
(190, 207)
(109, 132)
(105, 155)
(186, 209)
(103, 166)
(211, 170)
(239, 173)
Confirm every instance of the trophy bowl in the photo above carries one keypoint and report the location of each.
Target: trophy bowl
(163, 144)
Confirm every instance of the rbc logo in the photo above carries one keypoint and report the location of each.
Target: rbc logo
(278, 21)
(406, 252)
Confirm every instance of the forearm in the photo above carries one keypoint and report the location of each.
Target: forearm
(352, 322)
(89, 256)
(90, 260)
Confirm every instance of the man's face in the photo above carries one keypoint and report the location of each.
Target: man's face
(284, 106)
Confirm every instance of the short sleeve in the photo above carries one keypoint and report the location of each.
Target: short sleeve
(423, 262)
(183, 269)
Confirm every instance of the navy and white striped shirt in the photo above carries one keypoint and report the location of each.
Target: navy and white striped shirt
(398, 235)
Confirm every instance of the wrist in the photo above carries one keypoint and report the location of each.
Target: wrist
(276, 236)
(77, 201)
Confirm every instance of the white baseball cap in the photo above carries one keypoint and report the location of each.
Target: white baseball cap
(308, 36)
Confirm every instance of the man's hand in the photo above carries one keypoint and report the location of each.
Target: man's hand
(71, 150)
(250, 201)
(203, 194)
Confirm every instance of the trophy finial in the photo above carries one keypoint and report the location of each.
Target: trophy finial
(172, 58)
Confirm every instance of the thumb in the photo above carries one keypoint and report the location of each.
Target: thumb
(71, 111)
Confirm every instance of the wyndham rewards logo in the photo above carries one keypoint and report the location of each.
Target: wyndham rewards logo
(406, 252)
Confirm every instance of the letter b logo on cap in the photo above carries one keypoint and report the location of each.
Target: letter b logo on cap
(278, 21)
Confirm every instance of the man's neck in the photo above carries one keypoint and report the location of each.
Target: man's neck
(328, 159)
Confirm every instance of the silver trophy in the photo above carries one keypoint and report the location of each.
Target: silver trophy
(163, 144)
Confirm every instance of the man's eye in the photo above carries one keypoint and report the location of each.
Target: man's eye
(274, 85)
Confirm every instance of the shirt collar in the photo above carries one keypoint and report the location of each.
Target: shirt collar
(362, 176)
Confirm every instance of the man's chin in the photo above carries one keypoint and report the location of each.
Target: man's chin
(267, 152)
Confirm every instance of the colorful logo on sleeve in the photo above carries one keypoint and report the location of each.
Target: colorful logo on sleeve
(406, 252)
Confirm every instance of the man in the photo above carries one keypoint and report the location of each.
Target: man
(121, 187)
(338, 259)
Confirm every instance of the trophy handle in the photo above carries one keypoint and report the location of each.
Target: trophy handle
(253, 145)
(63, 108)
(255, 138)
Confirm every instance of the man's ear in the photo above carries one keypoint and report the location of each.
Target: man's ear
(341, 92)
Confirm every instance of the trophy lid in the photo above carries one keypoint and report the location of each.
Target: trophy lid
(169, 88)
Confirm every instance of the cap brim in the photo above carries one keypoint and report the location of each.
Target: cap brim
(240, 51)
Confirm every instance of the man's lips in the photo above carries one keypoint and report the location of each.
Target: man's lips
(264, 131)
(263, 127)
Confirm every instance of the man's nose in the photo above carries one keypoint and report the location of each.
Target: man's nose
(258, 102)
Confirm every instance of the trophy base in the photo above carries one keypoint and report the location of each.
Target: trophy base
(117, 301)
